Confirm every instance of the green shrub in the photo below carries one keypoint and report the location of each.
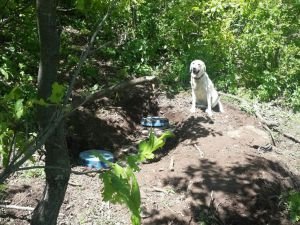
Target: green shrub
(293, 203)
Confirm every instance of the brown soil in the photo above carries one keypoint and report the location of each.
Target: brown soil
(222, 172)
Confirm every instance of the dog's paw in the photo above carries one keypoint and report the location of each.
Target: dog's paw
(209, 112)
(193, 110)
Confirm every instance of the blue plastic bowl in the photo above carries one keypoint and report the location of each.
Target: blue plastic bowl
(154, 121)
(89, 158)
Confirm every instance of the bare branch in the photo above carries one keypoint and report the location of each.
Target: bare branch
(17, 207)
(117, 87)
(12, 146)
(33, 146)
(60, 168)
(84, 56)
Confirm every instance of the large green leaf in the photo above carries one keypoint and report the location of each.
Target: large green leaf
(120, 183)
(58, 92)
(4, 73)
(19, 108)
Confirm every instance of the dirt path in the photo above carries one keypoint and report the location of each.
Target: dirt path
(224, 173)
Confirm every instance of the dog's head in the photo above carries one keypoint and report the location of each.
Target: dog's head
(197, 68)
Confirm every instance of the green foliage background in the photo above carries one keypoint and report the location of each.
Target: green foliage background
(248, 46)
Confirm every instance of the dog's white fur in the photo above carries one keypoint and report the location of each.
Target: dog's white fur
(204, 93)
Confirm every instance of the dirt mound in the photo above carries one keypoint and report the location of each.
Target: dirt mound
(222, 174)
(111, 122)
(225, 171)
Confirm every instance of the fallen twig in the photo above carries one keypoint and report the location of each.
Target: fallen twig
(157, 189)
(259, 116)
(199, 150)
(102, 170)
(75, 184)
(289, 136)
(17, 207)
(270, 133)
(271, 125)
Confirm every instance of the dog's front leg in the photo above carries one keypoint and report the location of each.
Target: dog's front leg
(193, 108)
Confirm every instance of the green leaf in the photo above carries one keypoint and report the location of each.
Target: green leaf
(121, 186)
(58, 92)
(195, 8)
(120, 183)
(21, 66)
(147, 147)
(19, 109)
(132, 161)
(14, 93)
(4, 73)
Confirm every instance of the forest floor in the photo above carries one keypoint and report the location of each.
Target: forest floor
(225, 171)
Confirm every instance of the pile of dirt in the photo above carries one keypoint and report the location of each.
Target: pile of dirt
(224, 170)
(111, 122)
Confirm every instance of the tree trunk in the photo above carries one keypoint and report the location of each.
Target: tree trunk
(47, 210)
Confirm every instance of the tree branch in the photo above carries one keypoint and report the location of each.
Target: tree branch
(33, 146)
(84, 56)
(12, 146)
(56, 118)
(115, 88)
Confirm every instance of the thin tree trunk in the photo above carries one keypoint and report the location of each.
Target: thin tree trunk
(47, 210)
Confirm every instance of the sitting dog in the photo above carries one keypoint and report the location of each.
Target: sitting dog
(204, 93)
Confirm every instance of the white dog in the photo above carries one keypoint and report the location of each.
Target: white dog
(204, 93)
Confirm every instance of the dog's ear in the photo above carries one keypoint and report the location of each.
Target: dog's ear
(203, 68)
(191, 67)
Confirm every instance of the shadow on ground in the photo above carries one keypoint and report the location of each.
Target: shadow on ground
(248, 193)
(189, 129)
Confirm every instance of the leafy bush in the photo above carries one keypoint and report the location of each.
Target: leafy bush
(251, 45)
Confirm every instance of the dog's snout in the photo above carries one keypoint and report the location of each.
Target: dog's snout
(194, 70)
